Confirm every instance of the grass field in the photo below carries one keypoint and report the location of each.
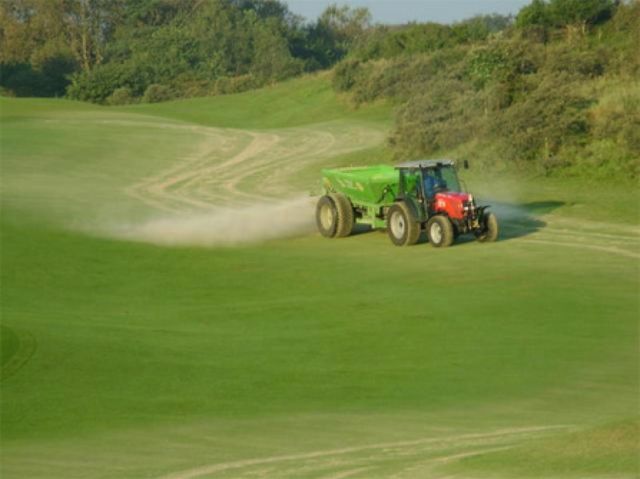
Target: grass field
(146, 332)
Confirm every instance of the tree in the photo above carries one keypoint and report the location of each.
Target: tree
(336, 31)
(90, 25)
(580, 13)
(561, 13)
(536, 14)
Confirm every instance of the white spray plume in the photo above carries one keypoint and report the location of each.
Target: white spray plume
(224, 227)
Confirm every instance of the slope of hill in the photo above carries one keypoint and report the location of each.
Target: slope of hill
(135, 346)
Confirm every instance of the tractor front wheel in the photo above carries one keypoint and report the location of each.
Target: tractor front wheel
(440, 231)
(491, 230)
(402, 227)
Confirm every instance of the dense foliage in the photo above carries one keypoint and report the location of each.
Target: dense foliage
(555, 88)
(117, 51)
(556, 91)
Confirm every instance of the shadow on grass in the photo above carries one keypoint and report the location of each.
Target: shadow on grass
(518, 220)
(515, 220)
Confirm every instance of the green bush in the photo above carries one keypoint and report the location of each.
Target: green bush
(404, 77)
(441, 117)
(618, 118)
(345, 75)
(6, 92)
(21, 79)
(570, 59)
(56, 63)
(551, 116)
(560, 13)
(46, 74)
(605, 159)
(237, 84)
(98, 84)
(486, 64)
(581, 12)
(156, 93)
(536, 14)
(120, 96)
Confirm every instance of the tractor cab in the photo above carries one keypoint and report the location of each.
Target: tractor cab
(432, 185)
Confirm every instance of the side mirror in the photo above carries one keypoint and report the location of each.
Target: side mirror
(465, 164)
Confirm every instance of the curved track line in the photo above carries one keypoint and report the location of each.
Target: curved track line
(604, 249)
(222, 467)
(208, 178)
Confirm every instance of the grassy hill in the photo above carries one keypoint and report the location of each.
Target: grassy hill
(123, 356)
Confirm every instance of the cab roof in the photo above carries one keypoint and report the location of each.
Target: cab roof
(425, 164)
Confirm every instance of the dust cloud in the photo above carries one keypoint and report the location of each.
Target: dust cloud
(224, 226)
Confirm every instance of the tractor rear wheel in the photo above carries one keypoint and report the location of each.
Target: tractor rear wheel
(402, 227)
(326, 217)
(440, 231)
(345, 215)
(491, 229)
(334, 216)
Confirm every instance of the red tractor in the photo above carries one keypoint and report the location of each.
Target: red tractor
(405, 200)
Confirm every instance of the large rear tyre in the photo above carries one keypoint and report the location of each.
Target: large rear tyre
(491, 229)
(402, 227)
(334, 216)
(440, 231)
(345, 215)
(326, 217)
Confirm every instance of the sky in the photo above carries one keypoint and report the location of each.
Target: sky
(403, 11)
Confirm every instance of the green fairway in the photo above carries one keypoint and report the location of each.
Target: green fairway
(168, 310)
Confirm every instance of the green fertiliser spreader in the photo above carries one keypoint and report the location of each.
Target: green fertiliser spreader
(405, 200)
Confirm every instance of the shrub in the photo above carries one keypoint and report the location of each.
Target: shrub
(120, 96)
(46, 75)
(617, 117)
(580, 12)
(536, 14)
(6, 92)
(238, 84)
(443, 116)
(98, 84)
(551, 116)
(156, 93)
(560, 13)
(486, 64)
(345, 75)
(576, 61)
(21, 79)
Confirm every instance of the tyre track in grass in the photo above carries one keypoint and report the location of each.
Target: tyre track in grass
(342, 461)
(164, 188)
(616, 239)
(272, 159)
(587, 235)
(593, 247)
(230, 168)
(210, 178)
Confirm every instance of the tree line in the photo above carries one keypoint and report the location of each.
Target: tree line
(554, 88)
(118, 51)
